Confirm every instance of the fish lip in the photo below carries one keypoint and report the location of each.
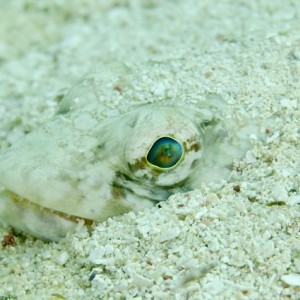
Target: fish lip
(26, 202)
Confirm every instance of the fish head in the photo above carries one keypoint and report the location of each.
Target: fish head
(81, 167)
(97, 159)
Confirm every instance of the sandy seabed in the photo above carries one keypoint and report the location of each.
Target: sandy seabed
(238, 239)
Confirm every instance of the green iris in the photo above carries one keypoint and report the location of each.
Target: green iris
(165, 153)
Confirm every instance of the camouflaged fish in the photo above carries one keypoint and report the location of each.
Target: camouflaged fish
(91, 161)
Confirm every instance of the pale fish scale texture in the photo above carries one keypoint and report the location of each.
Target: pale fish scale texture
(233, 240)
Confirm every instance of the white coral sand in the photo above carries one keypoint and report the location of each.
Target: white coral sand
(233, 240)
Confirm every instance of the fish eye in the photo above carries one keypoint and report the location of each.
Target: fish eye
(165, 153)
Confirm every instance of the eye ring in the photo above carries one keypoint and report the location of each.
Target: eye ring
(165, 153)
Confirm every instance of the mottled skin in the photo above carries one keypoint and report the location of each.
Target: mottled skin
(90, 162)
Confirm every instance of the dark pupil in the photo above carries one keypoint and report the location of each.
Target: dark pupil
(165, 153)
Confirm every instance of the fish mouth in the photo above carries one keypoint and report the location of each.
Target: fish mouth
(34, 206)
(41, 222)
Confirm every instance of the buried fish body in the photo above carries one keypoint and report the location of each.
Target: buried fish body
(91, 162)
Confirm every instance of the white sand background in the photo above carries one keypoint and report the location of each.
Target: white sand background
(213, 243)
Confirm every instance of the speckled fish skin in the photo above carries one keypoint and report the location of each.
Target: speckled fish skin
(83, 166)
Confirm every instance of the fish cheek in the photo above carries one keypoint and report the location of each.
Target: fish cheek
(117, 204)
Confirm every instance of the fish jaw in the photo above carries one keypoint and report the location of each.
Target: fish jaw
(35, 220)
